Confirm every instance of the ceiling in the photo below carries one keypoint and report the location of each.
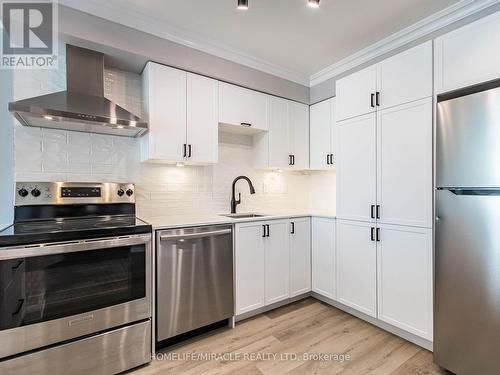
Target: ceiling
(286, 34)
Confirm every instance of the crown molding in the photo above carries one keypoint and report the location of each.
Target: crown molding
(416, 31)
(157, 27)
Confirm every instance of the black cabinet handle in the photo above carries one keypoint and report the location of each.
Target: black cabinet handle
(293, 228)
(19, 307)
(378, 211)
(372, 100)
(263, 230)
(372, 211)
(328, 159)
(189, 152)
(331, 159)
(185, 150)
(246, 124)
(268, 232)
(378, 234)
(378, 99)
(293, 159)
(372, 234)
(289, 159)
(18, 265)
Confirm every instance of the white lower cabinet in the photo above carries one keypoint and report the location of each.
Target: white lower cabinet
(300, 256)
(404, 273)
(249, 267)
(277, 261)
(323, 257)
(357, 266)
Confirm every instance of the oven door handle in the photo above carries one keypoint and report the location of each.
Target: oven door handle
(194, 235)
(72, 247)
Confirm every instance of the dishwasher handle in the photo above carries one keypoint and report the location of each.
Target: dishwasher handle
(195, 235)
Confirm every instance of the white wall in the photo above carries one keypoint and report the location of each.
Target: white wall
(53, 155)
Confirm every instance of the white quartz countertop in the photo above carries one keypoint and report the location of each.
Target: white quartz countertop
(177, 221)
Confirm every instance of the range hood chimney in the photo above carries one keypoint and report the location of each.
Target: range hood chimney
(82, 107)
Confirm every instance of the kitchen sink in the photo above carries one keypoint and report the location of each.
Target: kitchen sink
(242, 215)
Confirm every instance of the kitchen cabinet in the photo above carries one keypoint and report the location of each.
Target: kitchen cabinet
(300, 256)
(249, 267)
(182, 112)
(322, 135)
(323, 257)
(357, 266)
(468, 55)
(243, 108)
(356, 93)
(397, 80)
(404, 278)
(277, 261)
(286, 144)
(356, 168)
(404, 165)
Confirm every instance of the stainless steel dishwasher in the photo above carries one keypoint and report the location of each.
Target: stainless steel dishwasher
(194, 279)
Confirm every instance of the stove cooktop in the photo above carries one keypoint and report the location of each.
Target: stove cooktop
(71, 229)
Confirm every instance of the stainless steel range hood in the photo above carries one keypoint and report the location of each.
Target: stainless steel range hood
(82, 107)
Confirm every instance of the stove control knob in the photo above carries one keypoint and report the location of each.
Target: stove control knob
(130, 192)
(120, 192)
(35, 192)
(23, 192)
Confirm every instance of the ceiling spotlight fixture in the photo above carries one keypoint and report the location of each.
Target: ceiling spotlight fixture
(313, 3)
(243, 4)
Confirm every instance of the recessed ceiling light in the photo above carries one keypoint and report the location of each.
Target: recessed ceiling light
(48, 117)
(313, 3)
(243, 4)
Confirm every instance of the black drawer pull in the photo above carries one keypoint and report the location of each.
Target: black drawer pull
(378, 211)
(293, 228)
(372, 100)
(378, 234)
(372, 234)
(21, 303)
(246, 124)
(372, 213)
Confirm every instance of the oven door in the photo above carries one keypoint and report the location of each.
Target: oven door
(56, 292)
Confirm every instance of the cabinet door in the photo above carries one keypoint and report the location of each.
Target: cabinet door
(323, 257)
(357, 266)
(468, 55)
(277, 262)
(356, 168)
(278, 133)
(404, 158)
(249, 267)
(354, 93)
(165, 107)
(404, 261)
(405, 77)
(202, 118)
(243, 107)
(298, 125)
(321, 117)
(300, 256)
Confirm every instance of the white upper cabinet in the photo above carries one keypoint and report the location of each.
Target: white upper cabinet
(300, 256)
(357, 266)
(298, 129)
(322, 133)
(404, 273)
(404, 164)
(164, 92)
(286, 144)
(356, 168)
(202, 119)
(249, 267)
(405, 77)
(356, 93)
(323, 257)
(182, 111)
(468, 55)
(243, 108)
(277, 261)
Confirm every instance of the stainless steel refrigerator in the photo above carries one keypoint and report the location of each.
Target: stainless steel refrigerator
(467, 243)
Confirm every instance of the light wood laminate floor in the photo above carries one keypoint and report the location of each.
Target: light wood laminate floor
(302, 328)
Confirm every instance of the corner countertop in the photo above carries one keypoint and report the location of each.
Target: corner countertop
(178, 221)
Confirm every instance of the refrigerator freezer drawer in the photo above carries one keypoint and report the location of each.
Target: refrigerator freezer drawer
(467, 141)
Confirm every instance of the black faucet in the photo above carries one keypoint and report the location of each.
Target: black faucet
(235, 202)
